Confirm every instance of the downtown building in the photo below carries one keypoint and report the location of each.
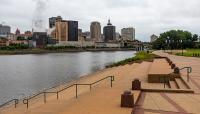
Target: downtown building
(95, 30)
(128, 34)
(4, 30)
(65, 31)
(109, 32)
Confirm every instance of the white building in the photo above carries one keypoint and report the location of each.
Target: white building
(128, 33)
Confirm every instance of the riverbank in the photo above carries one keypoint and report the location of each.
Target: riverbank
(44, 51)
(138, 58)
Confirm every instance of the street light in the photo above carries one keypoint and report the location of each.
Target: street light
(182, 46)
(167, 42)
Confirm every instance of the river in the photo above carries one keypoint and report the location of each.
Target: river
(24, 75)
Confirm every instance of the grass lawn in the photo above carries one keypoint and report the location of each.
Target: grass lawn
(190, 53)
(140, 56)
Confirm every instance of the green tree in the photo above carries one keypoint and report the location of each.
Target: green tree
(176, 39)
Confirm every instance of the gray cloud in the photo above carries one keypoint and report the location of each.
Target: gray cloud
(147, 16)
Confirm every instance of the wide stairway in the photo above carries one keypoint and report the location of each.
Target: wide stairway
(161, 78)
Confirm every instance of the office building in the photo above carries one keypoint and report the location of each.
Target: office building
(95, 30)
(4, 30)
(61, 30)
(72, 30)
(40, 39)
(109, 32)
(128, 34)
(52, 21)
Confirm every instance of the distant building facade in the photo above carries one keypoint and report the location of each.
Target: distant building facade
(118, 36)
(65, 30)
(87, 35)
(40, 39)
(128, 34)
(4, 30)
(52, 21)
(95, 30)
(154, 38)
(61, 30)
(72, 30)
(109, 32)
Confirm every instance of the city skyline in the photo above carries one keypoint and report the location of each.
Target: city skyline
(147, 16)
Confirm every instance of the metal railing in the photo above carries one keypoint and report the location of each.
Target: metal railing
(16, 101)
(26, 101)
(189, 70)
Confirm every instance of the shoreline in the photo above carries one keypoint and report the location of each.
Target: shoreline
(43, 51)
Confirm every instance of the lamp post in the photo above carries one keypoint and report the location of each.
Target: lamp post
(182, 46)
(168, 42)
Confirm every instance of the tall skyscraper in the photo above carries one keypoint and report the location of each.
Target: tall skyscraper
(64, 30)
(72, 30)
(95, 30)
(128, 34)
(61, 30)
(109, 32)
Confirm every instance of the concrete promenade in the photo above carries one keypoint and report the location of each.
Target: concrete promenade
(106, 100)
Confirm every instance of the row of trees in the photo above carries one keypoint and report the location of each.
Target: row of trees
(177, 39)
(15, 47)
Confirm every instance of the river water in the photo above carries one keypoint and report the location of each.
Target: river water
(24, 75)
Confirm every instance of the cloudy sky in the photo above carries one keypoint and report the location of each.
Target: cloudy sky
(147, 16)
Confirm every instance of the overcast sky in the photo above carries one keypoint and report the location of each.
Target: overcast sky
(146, 16)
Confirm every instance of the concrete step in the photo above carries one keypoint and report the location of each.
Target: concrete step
(180, 83)
(173, 85)
(169, 90)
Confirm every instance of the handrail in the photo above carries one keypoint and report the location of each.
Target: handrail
(26, 101)
(15, 100)
(189, 70)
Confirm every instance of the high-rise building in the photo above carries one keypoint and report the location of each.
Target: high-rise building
(4, 30)
(109, 32)
(52, 21)
(95, 30)
(128, 34)
(72, 30)
(64, 30)
(61, 30)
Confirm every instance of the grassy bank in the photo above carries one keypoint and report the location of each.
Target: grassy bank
(140, 56)
(190, 53)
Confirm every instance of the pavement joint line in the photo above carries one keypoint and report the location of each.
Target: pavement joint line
(164, 112)
(154, 102)
(193, 98)
(195, 83)
(173, 103)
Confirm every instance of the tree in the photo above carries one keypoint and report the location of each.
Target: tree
(176, 39)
